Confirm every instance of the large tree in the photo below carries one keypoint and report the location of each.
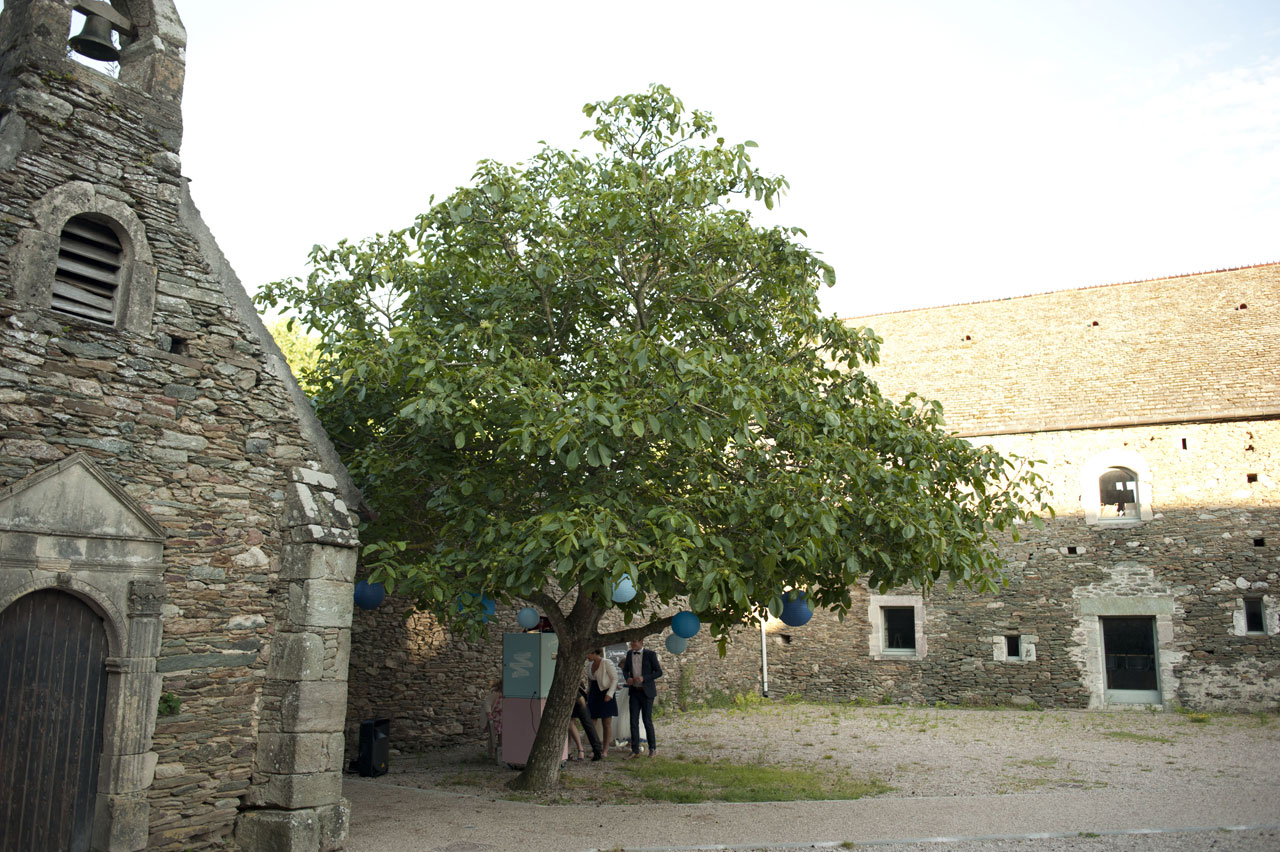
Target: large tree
(592, 367)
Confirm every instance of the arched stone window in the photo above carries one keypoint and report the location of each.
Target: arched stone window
(88, 259)
(90, 268)
(1115, 488)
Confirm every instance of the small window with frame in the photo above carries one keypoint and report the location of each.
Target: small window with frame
(1253, 616)
(899, 630)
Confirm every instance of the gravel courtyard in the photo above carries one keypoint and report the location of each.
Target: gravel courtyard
(1023, 770)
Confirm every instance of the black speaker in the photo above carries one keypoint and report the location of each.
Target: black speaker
(375, 747)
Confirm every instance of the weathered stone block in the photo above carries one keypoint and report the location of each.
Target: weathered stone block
(313, 561)
(129, 773)
(278, 831)
(120, 823)
(131, 711)
(303, 791)
(313, 706)
(296, 656)
(334, 822)
(320, 603)
(294, 754)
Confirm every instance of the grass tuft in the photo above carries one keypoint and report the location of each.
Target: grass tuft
(687, 783)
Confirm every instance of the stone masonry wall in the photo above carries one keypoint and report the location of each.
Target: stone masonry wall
(190, 420)
(429, 683)
(1179, 349)
(1215, 539)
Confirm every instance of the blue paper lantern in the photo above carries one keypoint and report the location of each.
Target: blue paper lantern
(528, 618)
(489, 604)
(623, 590)
(685, 624)
(795, 609)
(676, 644)
(369, 595)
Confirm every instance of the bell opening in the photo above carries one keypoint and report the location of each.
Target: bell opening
(96, 43)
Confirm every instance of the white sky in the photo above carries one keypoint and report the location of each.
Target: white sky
(938, 152)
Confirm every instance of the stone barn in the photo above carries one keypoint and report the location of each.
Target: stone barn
(1155, 409)
(177, 543)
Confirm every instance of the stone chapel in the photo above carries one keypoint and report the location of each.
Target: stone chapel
(177, 536)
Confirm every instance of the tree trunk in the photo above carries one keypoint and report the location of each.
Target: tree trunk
(542, 771)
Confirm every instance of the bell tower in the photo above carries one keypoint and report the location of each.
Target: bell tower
(34, 42)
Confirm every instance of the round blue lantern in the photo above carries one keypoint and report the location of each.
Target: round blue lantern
(676, 644)
(623, 590)
(795, 609)
(528, 618)
(685, 624)
(369, 595)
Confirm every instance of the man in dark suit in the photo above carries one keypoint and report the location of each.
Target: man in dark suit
(639, 671)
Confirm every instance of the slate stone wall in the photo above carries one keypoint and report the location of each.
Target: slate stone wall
(1213, 541)
(188, 408)
(428, 682)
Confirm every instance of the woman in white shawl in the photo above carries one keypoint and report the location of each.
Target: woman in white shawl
(602, 683)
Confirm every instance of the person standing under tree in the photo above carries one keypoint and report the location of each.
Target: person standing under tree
(639, 670)
(602, 680)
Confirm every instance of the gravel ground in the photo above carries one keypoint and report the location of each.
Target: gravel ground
(1025, 761)
(1264, 840)
(921, 751)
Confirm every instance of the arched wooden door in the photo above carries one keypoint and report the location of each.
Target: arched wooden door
(53, 691)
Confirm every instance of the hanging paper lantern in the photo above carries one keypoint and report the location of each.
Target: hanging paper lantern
(527, 618)
(369, 595)
(623, 590)
(676, 644)
(795, 609)
(489, 604)
(685, 624)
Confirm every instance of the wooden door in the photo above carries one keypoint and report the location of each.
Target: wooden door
(53, 690)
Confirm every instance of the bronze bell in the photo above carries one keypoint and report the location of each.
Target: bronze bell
(94, 40)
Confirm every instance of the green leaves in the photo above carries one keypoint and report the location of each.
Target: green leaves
(596, 364)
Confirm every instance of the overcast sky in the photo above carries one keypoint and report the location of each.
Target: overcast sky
(938, 152)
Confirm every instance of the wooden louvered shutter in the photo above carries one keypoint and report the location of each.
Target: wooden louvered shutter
(90, 259)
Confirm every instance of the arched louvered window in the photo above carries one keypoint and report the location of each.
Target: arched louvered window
(88, 280)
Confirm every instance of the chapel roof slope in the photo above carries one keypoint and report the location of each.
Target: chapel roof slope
(1191, 348)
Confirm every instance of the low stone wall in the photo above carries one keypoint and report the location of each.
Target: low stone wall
(431, 685)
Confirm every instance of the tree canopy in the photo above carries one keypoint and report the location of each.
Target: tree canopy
(592, 366)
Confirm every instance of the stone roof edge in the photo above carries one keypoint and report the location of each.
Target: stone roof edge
(1122, 423)
(1065, 290)
(241, 304)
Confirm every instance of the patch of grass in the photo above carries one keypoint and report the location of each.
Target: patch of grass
(670, 781)
(1194, 716)
(1042, 762)
(1130, 735)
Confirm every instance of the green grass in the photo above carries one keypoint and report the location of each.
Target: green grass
(721, 781)
(1041, 762)
(1129, 735)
